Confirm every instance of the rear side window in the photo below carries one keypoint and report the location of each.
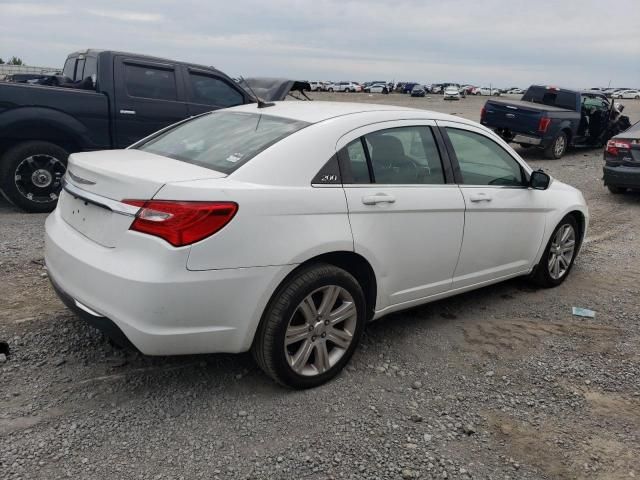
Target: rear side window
(149, 82)
(90, 68)
(553, 98)
(222, 141)
(405, 155)
(213, 91)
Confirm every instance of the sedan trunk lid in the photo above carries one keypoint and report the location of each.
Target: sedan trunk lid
(97, 182)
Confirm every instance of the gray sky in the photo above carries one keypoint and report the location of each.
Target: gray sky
(579, 43)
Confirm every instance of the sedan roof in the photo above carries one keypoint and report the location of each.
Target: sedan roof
(318, 111)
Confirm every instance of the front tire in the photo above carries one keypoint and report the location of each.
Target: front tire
(558, 147)
(559, 254)
(31, 175)
(311, 327)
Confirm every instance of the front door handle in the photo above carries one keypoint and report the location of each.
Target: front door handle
(127, 112)
(378, 198)
(479, 197)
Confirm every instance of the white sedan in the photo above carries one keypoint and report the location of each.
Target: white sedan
(487, 91)
(451, 93)
(379, 88)
(627, 94)
(284, 229)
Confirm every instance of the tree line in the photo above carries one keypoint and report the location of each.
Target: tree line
(12, 61)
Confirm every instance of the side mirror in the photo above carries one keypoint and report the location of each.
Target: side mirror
(539, 180)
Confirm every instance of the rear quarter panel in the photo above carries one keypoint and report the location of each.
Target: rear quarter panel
(274, 225)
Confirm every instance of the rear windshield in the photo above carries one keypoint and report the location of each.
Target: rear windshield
(554, 98)
(222, 141)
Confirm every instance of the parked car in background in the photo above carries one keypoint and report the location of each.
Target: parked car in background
(622, 161)
(418, 91)
(345, 87)
(378, 88)
(451, 93)
(179, 214)
(552, 119)
(627, 94)
(437, 88)
(487, 91)
(316, 86)
(408, 87)
(515, 91)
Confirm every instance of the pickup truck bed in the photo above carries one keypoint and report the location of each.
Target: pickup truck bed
(522, 117)
(553, 119)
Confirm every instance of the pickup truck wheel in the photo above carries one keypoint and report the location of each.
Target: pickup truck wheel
(557, 148)
(31, 175)
(616, 190)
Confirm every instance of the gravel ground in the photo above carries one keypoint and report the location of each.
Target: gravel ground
(501, 383)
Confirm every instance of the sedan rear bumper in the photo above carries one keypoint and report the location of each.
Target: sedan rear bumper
(622, 176)
(138, 294)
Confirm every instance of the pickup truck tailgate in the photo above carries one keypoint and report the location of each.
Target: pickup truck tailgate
(520, 117)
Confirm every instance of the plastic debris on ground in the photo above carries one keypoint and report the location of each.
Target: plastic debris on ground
(583, 312)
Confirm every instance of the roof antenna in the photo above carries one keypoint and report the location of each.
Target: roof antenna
(261, 103)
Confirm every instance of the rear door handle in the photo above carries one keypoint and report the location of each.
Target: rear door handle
(479, 197)
(378, 198)
(127, 112)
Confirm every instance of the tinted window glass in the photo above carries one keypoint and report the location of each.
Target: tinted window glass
(554, 98)
(148, 82)
(213, 91)
(69, 67)
(222, 141)
(482, 161)
(357, 162)
(405, 155)
(79, 68)
(90, 67)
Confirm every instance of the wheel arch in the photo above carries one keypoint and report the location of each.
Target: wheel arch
(350, 261)
(43, 124)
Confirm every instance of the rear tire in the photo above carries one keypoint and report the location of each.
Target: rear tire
(31, 175)
(544, 274)
(616, 190)
(276, 355)
(557, 147)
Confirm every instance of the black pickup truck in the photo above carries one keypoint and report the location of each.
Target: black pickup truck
(553, 119)
(102, 100)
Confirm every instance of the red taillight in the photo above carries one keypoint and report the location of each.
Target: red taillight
(483, 112)
(544, 124)
(181, 223)
(613, 146)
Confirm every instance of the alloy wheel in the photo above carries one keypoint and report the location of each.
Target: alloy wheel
(39, 177)
(320, 330)
(560, 145)
(561, 251)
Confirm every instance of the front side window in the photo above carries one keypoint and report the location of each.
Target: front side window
(222, 141)
(213, 91)
(149, 82)
(404, 155)
(482, 161)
